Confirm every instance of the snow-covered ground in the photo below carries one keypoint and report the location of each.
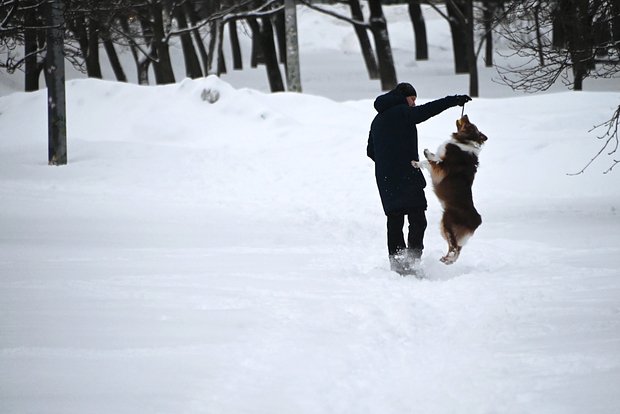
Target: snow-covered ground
(230, 257)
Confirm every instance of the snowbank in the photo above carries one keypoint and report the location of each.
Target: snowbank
(229, 257)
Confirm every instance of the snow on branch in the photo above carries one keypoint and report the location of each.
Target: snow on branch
(334, 14)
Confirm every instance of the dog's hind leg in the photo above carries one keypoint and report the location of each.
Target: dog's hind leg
(452, 255)
(449, 234)
(458, 237)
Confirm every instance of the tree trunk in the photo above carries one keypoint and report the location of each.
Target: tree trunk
(143, 71)
(378, 26)
(279, 25)
(471, 52)
(488, 13)
(615, 24)
(163, 67)
(539, 44)
(419, 29)
(271, 59)
(580, 58)
(578, 26)
(293, 76)
(458, 30)
(33, 67)
(142, 65)
(55, 77)
(32, 70)
(362, 35)
(258, 56)
(77, 25)
(234, 44)
(559, 28)
(192, 65)
(119, 73)
(221, 68)
(579, 75)
(93, 65)
(215, 55)
(202, 50)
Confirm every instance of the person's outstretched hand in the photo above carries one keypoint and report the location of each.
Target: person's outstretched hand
(462, 99)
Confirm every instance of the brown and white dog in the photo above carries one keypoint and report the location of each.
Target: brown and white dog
(452, 171)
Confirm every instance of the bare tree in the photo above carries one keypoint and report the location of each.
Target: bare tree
(192, 16)
(362, 35)
(293, 76)
(216, 14)
(192, 64)
(23, 23)
(490, 19)
(419, 29)
(55, 76)
(262, 30)
(460, 16)
(472, 25)
(377, 25)
(234, 44)
(108, 44)
(84, 24)
(361, 30)
(10, 11)
(557, 39)
(379, 29)
(34, 46)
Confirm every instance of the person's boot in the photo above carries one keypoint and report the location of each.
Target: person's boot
(398, 263)
(403, 261)
(413, 259)
(414, 255)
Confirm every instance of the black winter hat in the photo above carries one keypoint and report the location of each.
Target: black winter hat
(406, 89)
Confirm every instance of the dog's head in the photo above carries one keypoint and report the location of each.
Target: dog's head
(466, 132)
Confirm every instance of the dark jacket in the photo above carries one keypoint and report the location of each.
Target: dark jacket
(393, 144)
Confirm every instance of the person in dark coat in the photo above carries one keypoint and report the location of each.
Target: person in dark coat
(392, 145)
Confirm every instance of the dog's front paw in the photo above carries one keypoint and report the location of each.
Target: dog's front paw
(416, 164)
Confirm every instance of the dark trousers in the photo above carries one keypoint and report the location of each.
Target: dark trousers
(415, 238)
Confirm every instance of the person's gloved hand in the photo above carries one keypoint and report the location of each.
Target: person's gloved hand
(461, 99)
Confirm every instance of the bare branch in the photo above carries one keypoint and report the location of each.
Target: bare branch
(4, 24)
(227, 15)
(135, 44)
(458, 12)
(335, 15)
(438, 10)
(616, 162)
(610, 136)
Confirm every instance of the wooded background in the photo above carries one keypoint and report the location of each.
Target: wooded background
(561, 40)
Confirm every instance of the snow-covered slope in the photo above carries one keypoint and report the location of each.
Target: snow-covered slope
(229, 257)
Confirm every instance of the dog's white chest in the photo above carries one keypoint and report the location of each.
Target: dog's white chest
(470, 148)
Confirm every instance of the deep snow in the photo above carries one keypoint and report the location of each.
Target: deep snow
(230, 258)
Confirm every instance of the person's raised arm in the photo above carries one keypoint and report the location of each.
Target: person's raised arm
(421, 113)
